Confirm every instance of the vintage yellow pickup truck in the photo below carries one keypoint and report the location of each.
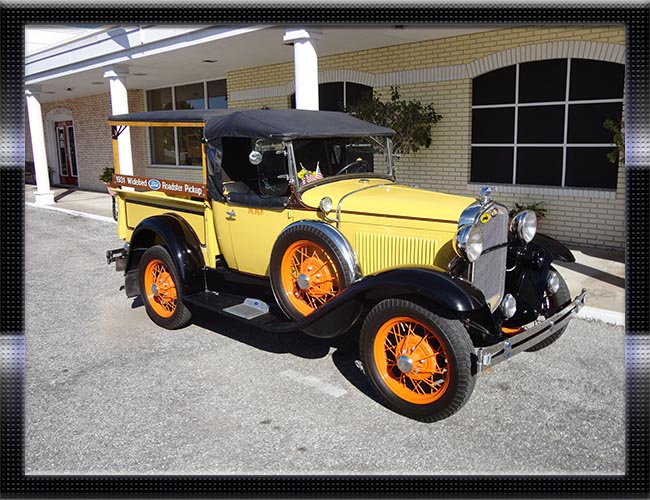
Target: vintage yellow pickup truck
(298, 225)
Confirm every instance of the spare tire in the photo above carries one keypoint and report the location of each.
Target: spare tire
(311, 263)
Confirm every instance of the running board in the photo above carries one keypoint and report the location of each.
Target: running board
(242, 309)
(331, 320)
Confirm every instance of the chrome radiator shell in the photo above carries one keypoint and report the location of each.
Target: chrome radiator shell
(488, 272)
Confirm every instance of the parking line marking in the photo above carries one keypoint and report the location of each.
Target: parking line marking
(76, 213)
(314, 382)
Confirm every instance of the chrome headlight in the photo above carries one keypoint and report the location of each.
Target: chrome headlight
(552, 282)
(508, 306)
(325, 204)
(524, 225)
(468, 243)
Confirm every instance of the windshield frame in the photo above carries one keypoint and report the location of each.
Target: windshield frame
(384, 143)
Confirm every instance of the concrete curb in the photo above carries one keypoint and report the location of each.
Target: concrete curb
(85, 215)
(604, 315)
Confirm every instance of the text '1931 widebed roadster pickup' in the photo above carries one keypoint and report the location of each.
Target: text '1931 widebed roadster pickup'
(298, 224)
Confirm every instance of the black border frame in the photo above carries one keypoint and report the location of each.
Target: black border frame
(636, 481)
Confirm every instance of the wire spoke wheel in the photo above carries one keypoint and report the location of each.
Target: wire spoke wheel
(311, 264)
(309, 276)
(160, 287)
(420, 363)
(412, 360)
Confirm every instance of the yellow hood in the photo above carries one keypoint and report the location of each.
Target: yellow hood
(383, 197)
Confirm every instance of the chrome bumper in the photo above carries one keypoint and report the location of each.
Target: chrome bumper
(495, 354)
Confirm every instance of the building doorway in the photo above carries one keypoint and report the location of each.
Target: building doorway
(66, 153)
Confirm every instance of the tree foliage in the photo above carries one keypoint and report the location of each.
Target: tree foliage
(411, 120)
(618, 137)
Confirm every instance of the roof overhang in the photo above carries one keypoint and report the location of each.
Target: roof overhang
(160, 56)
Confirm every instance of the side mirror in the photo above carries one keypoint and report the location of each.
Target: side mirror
(255, 157)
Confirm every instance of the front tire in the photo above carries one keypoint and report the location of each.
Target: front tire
(419, 362)
(160, 288)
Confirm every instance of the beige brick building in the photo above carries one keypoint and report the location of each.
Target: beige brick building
(443, 70)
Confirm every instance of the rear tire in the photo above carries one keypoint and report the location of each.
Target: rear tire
(418, 362)
(161, 291)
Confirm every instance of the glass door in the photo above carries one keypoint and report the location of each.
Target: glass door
(66, 153)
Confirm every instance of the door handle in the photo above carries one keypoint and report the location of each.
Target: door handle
(231, 214)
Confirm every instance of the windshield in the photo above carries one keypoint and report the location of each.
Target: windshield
(318, 159)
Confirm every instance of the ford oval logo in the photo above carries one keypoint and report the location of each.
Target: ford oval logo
(154, 184)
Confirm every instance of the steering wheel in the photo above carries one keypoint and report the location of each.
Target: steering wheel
(360, 163)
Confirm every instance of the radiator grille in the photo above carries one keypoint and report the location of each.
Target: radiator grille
(489, 271)
(378, 251)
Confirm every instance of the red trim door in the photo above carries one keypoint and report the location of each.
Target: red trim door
(66, 153)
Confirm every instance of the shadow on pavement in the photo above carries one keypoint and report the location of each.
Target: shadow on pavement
(345, 356)
(593, 273)
(65, 193)
(296, 343)
(613, 255)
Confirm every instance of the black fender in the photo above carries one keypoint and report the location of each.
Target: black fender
(439, 290)
(176, 235)
(527, 279)
(558, 250)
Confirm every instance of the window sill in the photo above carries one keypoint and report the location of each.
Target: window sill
(563, 192)
(188, 167)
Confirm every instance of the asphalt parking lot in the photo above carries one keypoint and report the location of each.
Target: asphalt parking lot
(109, 392)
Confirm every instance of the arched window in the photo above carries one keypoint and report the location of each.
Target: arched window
(541, 123)
(338, 96)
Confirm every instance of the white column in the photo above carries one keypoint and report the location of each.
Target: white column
(120, 105)
(44, 195)
(305, 61)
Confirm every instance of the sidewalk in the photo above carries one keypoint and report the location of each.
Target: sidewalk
(601, 272)
(88, 202)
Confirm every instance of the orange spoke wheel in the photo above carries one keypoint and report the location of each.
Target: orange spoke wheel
(160, 288)
(412, 360)
(309, 276)
(420, 363)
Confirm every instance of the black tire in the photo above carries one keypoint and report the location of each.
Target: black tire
(161, 289)
(555, 301)
(437, 345)
(338, 270)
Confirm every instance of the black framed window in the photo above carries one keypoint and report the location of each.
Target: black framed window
(217, 94)
(178, 146)
(541, 123)
(338, 96)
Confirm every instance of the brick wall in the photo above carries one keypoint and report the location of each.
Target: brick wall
(278, 102)
(441, 71)
(92, 135)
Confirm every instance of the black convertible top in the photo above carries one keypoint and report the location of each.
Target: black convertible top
(264, 123)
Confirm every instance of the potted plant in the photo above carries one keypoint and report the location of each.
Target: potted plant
(107, 177)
